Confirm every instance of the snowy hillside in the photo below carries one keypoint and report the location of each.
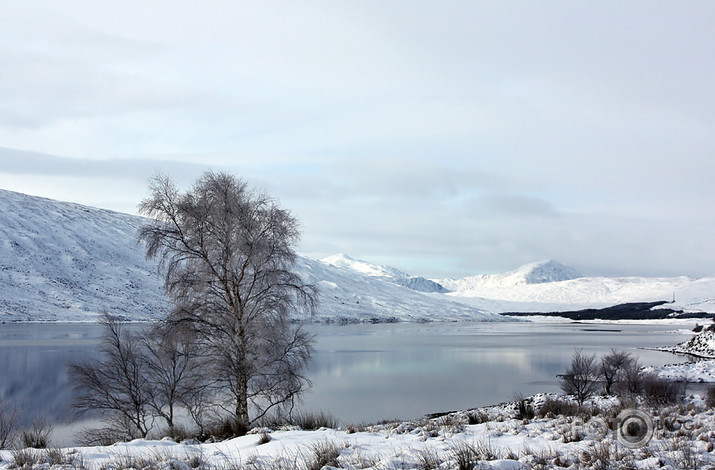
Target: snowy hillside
(385, 273)
(702, 344)
(346, 296)
(66, 262)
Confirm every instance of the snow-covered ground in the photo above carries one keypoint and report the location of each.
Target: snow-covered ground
(701, 346)
(683, 437)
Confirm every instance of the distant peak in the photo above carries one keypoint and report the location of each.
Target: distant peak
(337, 257)
(547, 270)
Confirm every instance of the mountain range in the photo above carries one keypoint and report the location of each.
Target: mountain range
(62, 261)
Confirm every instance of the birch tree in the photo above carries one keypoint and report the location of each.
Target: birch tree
(226, 254)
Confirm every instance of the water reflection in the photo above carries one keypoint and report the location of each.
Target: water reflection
(361, 373)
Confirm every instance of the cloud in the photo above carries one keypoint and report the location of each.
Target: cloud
(473, 137)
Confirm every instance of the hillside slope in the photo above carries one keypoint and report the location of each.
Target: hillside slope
(66, 262)
(385, 273)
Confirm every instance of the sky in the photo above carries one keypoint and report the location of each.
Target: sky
(443, 138)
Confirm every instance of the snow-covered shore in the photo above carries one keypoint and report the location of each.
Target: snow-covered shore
(488, 438)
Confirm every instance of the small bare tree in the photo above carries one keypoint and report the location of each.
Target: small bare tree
(227, 258)
(117, 385)
(174, 371)
(9, 416)
(613, 368)
(633, 377)
(581, 379)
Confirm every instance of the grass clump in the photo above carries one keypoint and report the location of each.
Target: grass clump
(557, 407)
(313, 421)
(322, 454)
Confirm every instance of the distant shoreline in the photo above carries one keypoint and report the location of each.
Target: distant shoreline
(627, 311)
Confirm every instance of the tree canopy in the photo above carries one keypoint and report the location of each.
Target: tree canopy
(227, 257)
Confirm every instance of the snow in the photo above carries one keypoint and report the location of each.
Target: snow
(702, 346)
(348, 296)
(693, 372)
(533, 273)
(692, 295)
(385, 273)
(66, 262)
(500, 441)
(61, 261)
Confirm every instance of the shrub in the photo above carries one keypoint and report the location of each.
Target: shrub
(657, 391)
(25, 458)
(580, 379)
(226, 427)
(105, 436)
(710, 398)
(428, 459)
(322, 454)
(8, 424)
(633, 376)
(264, 439)
(613, 368)
(38, 436)
(557, 407)
(467, 455)
(524, 408)
(313, 421)
(477, 417)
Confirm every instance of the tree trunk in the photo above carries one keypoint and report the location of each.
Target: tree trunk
(242, 420)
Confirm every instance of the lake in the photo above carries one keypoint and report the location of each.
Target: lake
(364, 372)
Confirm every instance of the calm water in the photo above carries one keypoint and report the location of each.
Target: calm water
(360, 373)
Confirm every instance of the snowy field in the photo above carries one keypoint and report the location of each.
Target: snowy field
(486, 438)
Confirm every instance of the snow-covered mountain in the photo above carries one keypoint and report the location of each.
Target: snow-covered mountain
(346, 295)
(540, 272)
(548, 286)
(385, 273)
(66, 262)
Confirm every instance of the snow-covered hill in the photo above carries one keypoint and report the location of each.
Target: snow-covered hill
(385, 273)
(347, 296)
(66, 262)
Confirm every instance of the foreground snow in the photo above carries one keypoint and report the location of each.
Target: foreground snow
(683, 438)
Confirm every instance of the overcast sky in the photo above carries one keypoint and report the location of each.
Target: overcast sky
(444, 138)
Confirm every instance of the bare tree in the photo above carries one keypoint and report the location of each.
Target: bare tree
(633, 377)
(613, 368)
(116, 385)
(174, 372)
(580, 380)
(227, 258)
(9, 416)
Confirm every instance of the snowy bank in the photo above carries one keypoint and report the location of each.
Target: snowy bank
(487, 438)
